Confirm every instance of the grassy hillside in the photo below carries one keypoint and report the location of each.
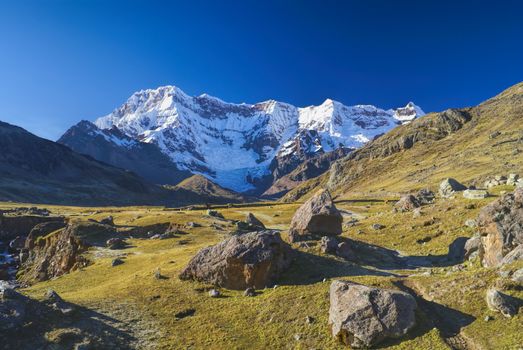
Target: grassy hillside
(468, 144)
(145, 307)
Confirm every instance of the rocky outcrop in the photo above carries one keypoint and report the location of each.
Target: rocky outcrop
(21, 225)
(62, 251)
(254, 259)
(43, 229)
(317, 216)
(501, 226)
(363, 316)
(449, 187)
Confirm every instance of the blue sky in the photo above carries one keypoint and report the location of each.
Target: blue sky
(63, 61)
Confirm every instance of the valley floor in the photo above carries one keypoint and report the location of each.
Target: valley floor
(133, 309)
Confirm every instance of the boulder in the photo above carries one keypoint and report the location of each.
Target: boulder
(517, 276)
(254, 259)
(515, 254)
(115, 243)
(500, 302)
(254, 222)
(107, 221)
(475, 194)
(407, 203)
(470, 223)
(214, 214)
(362, 316)
(512, 179)
(449, 187)
(328, 245)
(317, 216)
(501, 226)
(472, 246)
(425, 196)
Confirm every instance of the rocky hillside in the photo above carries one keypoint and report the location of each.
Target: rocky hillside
(470, 144)
(242, 147)
(113, 147)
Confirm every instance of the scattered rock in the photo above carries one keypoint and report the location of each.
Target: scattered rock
(512, 179)
(500, 302)
(475, 194)
(363, 316)
(317, 216)
(309, 320)
(377, 226)
(115, 243)
(214, 213)
(214, 293)
(471, 223)
(488, 318)
(517, 276)
(249, 292)
(407, 203)
(328, 245)
(501, 226)
(192, 224)
(107, 221)
(514, 255)
(117, 262)
(254, 259)
(449, 187)
(254, 222)
(425, 196)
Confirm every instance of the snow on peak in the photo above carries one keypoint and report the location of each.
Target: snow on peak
(234, 143)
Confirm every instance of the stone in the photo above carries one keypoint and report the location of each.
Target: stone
(12, 310)
(214, 293)
(472, 245)
(407, 203)
(515, 254)
(56, 302)
(249, 292)
(254, 222)
(214, 213)
(475, 194)
(457, 249)
(425, 196)
(317, 216)
(117, 262)
(517, 276)
(254, 259)
(500, 302)
(512, 179)
(107, 221)
(449, 187)
(501, 227)
(328, 245)
(362, 316)
(377, 226)
(192, 224)
(115, 243)
(309, 320)
(416, 213)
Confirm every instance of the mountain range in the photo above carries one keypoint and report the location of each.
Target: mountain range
(165, 135)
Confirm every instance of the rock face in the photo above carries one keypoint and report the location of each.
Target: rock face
(500, 302)
(475, 194)
(317, 216)
(501, 227)
(449, 187)
(254, 259)
(363, 316)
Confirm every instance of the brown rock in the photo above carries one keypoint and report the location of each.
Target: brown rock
(501, 227)
(254, 259)
(317, 216)
(407, 203)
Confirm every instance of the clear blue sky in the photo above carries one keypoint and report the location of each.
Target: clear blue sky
(63, 61)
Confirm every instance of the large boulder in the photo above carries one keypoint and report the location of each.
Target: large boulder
(254, 259)
(475, 194)
(501, 226)
(449, 187)
(363, 316)
(317, 216)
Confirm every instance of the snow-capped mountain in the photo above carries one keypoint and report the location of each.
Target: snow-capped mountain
(235, 144)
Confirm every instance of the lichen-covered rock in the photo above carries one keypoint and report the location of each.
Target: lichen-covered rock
(501, 226)
(254, 259)
(449, 187)
(317, 216)
(407, 202)
(500, 302)
(363, 316)
(475, 194)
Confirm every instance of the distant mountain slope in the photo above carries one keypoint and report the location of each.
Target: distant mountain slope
(469, 144)
(114, 147)
(241, 146)
(199, 189)
(36, 170)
